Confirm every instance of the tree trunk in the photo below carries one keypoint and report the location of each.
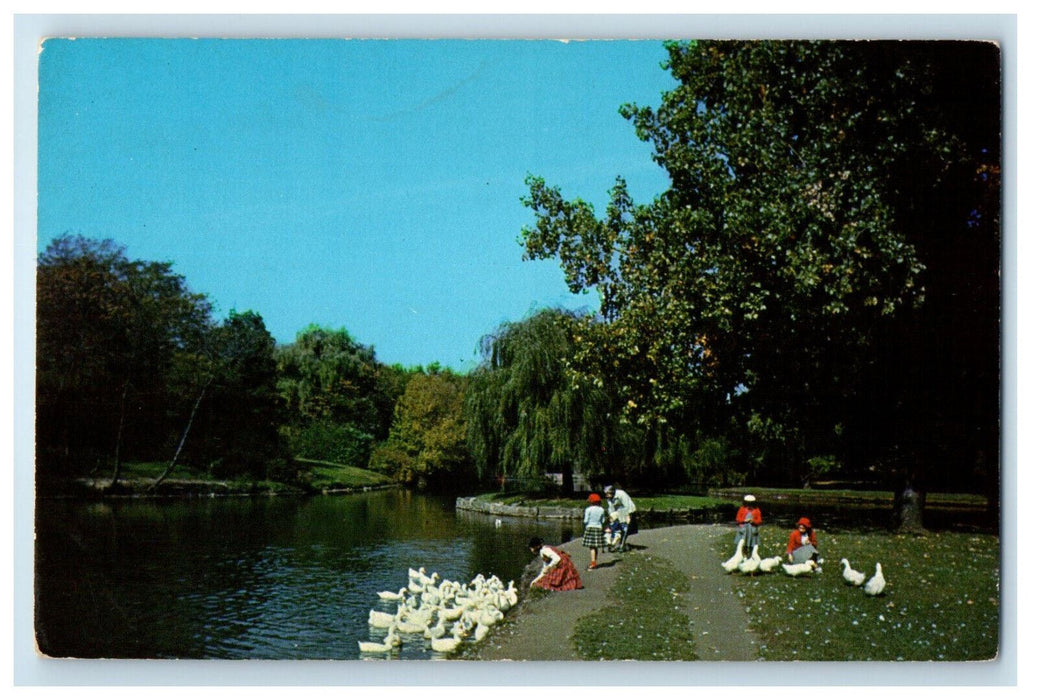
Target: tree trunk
(908, 510)
(119, 438)
(567, 481)
(183, 438)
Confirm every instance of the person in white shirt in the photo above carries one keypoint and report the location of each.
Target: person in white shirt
(622, 508)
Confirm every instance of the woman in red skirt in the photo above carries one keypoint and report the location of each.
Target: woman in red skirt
(558, 572)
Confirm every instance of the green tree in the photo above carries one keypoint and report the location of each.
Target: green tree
(243, 411)
(759, 284)
(332, 388)
(109, 332)
(427, 442)
(528, 414)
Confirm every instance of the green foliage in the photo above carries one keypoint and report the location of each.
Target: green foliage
(821, 466)
(427, 440)
(648, 620)
(127, 355)
(240, 418)
(111, 335)
(335, 393)
(711, 463)
(941, 601)
(331, 441)
(327, 374)
(754, 290)
(527, 414)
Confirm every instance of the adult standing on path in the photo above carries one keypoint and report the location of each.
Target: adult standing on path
(621, 508)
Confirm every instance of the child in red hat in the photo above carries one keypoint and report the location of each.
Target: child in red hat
(803, 545)
(594, 527)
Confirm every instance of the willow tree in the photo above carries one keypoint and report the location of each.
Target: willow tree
(328, 382)
(527, 414)
(758, 287)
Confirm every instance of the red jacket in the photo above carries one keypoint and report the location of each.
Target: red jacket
(795, 541)
(740, 517)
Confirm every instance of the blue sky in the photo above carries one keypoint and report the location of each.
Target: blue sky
(367, 184)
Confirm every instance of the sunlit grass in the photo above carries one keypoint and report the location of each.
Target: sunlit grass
(152, 470)
(646, 620)
(941, 601)
(329, 475)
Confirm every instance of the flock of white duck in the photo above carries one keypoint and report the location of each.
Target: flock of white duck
(753, 564)
(446, 613)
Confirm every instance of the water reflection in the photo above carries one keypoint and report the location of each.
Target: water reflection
(265, 578)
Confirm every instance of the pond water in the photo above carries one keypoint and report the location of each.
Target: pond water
(252, 578)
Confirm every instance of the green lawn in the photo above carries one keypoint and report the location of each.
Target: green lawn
(648, 614)
(941, 602)
(331, 476)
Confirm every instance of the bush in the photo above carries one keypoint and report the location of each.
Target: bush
(342, 443)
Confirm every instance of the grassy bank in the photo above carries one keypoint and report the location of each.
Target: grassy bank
(138, 478)
(647, 613)
(941, 602)
(329, 476)
(663, 502)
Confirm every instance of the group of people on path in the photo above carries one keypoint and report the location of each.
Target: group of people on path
(611, 524)
(801, 546)
(604, 526)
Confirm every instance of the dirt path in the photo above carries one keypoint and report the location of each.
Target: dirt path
(542, 628)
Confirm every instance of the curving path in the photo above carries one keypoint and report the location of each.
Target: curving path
(542, 628)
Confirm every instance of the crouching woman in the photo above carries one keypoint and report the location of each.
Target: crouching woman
(558, 573)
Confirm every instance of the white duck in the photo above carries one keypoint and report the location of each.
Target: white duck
(733, 563)
(877, 583)
(446, 645)
(800, 569)
(431, 596)
(481, 631)
(411, 627)
(391, 595)
(436, 631)
(451, 614)
(489, 616)
(391, 640)
(377, 618)
(768, 565)
(854, 578)
(750, 564)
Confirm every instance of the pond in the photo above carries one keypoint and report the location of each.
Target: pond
(252, 578)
